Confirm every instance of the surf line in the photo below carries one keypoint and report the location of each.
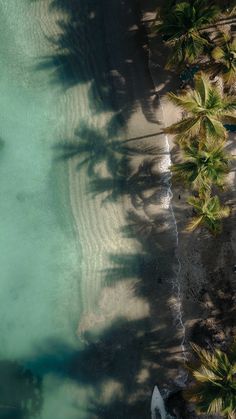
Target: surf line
(176, 284)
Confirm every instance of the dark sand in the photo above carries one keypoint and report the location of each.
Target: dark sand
(208, 281)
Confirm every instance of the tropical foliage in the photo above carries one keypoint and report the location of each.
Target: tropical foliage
(224, 56)
(214, 390)
(209, 213)
(206, 107)
(201, 135)
(181, 26)
(201, 168)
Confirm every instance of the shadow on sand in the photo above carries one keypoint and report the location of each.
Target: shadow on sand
(132, 355)
(112, 58)
(125, 356)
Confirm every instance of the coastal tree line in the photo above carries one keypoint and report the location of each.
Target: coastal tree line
(203, 50)
(201, 39)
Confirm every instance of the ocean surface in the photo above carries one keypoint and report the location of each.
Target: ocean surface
(40, 259)
(78, 243)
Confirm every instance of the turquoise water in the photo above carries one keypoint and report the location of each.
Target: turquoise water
(39, 255)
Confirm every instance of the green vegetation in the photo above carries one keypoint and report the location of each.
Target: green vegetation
(201, 168)
(180, 24)
(196, 33)
(214, 390)
(201, 137)
(224, 58)
(206, 107)
(209, 213)
(191, 29)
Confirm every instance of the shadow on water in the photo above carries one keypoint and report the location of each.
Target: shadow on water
(123, 360)
(20, 392)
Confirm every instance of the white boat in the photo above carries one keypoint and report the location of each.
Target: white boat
(157, 405)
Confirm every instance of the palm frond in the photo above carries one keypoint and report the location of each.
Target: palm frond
(214, 389)
(188, 125)
(202, 86)
(194, 223)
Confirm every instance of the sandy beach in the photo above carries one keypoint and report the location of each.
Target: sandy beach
(122, 213)
(130, 269)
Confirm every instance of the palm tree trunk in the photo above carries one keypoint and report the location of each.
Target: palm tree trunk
(227, 20)
(224, 21)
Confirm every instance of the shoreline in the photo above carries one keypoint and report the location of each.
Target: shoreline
(131, 300)
(207, 263)
(101, 308)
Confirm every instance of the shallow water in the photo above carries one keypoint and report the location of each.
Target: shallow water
(80, 292)
(39, 255)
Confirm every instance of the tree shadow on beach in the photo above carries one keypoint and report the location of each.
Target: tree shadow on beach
(133, 354)
(125, 182)
(154, 267)
(127, 359)
(104, 44)
(92, 149)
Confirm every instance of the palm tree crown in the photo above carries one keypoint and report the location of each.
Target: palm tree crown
(202, 167)
(180, 23)
(214, 391)
(224, 55)
(207, 107)
(209, 213)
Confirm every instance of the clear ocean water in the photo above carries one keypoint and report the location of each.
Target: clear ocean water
(39, 255)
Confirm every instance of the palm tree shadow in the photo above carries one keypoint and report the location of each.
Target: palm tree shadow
(153, 265)
(93, 149)
(75, 60)
(90, 148)
(20, 391)
(112, 65)
(121, 353)
(140, 185)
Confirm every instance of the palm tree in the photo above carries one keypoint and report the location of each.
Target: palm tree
(181, 23)
(224, 56)
(209, 213)
(227, 7)
(214, 390)
(206, 107)
(202, 168)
